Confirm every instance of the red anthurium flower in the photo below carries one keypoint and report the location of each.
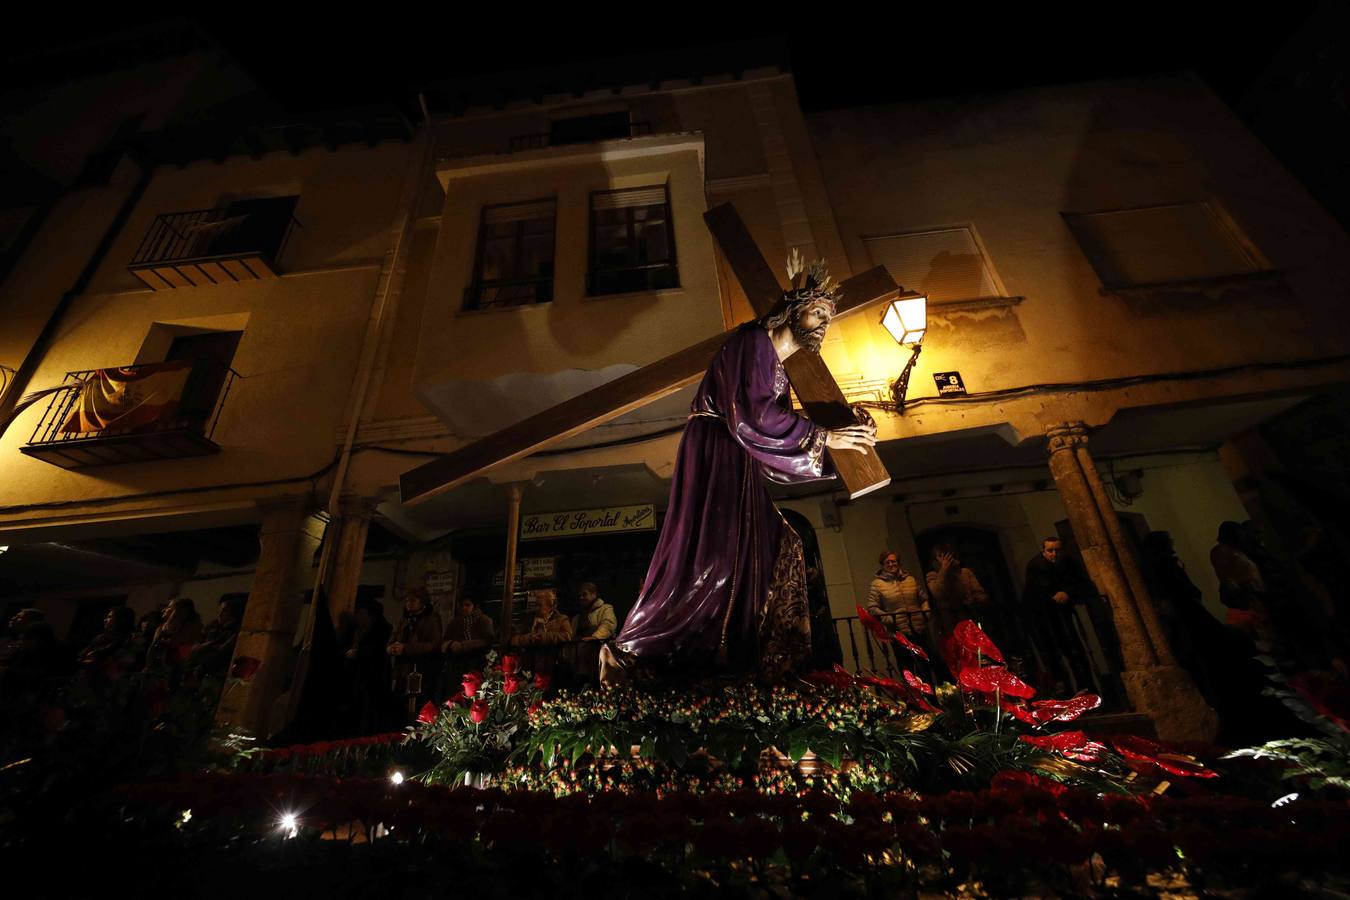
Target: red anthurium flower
(244, 667)
(910, 646)
(1064, 710)
(542, 681)
(995, 679)
(1008, 780)
(1019, 712)
(472, 682)
(917, 683)
(873, 624)
(1326, 698)
(836, 679)
(510, 663)
(510, 684)
(1072, 744)
(479, 711)
(971, 638)
(1143, 750)
(428, 713)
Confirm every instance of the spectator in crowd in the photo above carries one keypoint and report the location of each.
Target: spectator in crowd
(897, 597)
(1198, 639)
(825, 649)
(1241, 587)
(1054, 586)
(548, 632)
(213, 653)
(595, 624)
(954, 589)
(414, 646)
(112, 650)
(174, 639)
(367, 667)
(466, 641)
(12, 645)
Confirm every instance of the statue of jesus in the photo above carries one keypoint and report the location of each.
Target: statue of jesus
(727, 583)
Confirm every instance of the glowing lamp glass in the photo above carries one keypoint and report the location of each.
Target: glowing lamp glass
(906, 319)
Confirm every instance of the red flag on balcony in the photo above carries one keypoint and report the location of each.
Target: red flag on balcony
(128, 398)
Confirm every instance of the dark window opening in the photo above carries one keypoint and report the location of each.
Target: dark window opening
(514, 265)
(211, 352)
(632, 241)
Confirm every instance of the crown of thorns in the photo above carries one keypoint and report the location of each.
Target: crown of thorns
(810, 284)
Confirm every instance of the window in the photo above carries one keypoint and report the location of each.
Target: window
(515, 256)
(632, 242)
(1162, 244)
(944, 264)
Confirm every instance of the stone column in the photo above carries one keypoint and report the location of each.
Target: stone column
(1153, 682)
(345, 576)
(288, 536)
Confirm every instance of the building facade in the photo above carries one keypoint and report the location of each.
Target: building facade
(1138, 300)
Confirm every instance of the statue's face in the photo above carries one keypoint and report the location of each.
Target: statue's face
(811, 324)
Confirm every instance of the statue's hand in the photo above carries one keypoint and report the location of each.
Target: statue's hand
(854, 437)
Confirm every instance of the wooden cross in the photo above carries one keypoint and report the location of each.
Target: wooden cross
(811, 380)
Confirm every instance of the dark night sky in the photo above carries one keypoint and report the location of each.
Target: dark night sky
(909, 51)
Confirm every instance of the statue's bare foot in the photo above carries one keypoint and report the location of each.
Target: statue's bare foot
(615, 666)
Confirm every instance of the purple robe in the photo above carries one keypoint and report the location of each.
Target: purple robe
(724, 547)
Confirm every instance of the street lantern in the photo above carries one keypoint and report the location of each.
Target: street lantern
(906, 318)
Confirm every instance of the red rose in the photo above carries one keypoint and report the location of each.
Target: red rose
(478, 711)
(510, 684)
(510, 663)
(454, 701)
(541, 682)
(472, 682)
(534, 708)
(428, 713)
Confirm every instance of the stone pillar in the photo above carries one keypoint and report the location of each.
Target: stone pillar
(288, 536)
(345, 576)
(1156, 686)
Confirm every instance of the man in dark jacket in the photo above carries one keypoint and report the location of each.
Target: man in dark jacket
(415, 647)
(1054, 586)
(367, 666)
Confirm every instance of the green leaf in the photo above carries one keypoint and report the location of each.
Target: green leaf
(797, 746)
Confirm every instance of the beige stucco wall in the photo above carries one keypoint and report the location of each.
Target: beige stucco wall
(1008, 166)
(574, 330)
(302, 332)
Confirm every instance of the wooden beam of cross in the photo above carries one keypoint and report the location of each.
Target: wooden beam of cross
(811, 380)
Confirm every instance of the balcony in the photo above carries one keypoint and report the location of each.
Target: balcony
(581, 130)
(228, 244)
(154, 411)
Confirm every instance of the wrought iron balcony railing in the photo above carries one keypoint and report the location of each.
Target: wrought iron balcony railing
(132, 414)
(239, 242)
(558, 138)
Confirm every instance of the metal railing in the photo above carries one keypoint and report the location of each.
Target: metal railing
(1022, 643)
(197, 412)
(549, 139)
(220, 233)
